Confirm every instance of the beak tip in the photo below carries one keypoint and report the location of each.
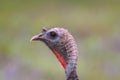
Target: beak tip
(31, 40)
(34, 38)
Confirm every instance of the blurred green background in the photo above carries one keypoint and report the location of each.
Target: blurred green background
(95, 24)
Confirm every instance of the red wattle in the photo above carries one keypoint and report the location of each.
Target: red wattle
(60, 58)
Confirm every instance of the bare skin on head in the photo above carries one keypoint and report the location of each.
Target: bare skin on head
(63, 45)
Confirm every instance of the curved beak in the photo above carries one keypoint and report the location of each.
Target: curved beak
(37, 37)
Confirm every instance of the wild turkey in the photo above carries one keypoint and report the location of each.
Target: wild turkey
(63, 45)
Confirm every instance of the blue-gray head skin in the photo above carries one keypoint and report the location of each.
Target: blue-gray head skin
(63, 45)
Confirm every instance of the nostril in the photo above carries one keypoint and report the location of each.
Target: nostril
(41, 34)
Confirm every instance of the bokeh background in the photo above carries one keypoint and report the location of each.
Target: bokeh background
(95, 24)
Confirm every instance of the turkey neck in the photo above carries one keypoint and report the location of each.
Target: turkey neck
(67, 54)
(72, 76)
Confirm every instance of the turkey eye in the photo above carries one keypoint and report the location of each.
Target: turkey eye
(53, 34)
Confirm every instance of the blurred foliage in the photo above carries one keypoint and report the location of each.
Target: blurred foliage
(95, 24)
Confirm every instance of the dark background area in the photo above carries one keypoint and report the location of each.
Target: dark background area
(95, 24)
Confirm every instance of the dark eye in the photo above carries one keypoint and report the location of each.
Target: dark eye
(53, 34)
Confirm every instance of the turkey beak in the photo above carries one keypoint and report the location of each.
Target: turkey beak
(37, 37)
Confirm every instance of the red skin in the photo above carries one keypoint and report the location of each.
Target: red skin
(61, 60)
